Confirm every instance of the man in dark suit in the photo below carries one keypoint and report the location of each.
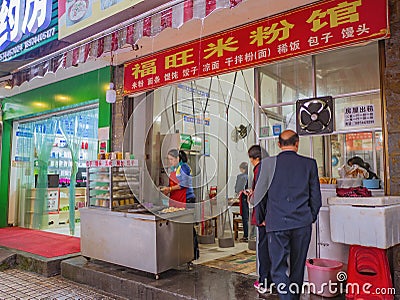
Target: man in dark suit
(292, 198)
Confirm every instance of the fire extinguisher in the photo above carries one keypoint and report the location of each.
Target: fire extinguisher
(213, 192)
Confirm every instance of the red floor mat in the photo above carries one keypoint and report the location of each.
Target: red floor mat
(38, 242)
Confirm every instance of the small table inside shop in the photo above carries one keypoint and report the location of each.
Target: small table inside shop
(237, 224)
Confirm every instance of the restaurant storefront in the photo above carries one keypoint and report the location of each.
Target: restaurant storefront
(215, 77)
(241, 86)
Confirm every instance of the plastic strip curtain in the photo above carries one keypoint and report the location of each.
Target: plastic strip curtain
(24, 181)
(22, 178)
(75, 129)
(44, 137)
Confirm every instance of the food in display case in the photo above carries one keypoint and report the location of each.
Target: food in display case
(112, 188)
(171, 209)
(113, 184)
(327, 180)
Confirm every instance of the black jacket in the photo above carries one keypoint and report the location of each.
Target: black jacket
(293, 197)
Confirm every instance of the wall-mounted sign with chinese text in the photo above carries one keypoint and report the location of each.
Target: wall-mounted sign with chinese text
(26, 25)
(309, 29)
(361, 115)
(360, 141)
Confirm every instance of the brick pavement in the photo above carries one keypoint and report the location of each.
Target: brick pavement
(22, 285)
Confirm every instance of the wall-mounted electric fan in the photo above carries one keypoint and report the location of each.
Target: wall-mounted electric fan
(315, 116)
(240, 132)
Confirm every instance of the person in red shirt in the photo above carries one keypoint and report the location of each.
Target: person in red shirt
(180, 187)
(256, 154)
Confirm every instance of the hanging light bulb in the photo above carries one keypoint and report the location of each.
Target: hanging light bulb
(111, 94)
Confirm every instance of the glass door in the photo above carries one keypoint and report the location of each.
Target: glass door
(48, 167)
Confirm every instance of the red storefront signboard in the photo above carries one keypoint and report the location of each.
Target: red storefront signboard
(306, 30)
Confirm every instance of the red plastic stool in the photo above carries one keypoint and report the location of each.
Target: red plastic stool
(368, 274)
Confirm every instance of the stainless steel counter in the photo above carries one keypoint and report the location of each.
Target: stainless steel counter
(141, 241)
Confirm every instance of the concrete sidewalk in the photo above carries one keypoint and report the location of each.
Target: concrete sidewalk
(24, 285)
(93, 279)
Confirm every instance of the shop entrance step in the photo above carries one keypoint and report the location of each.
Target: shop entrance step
(7, 259)
(12, 258)
(199, 283)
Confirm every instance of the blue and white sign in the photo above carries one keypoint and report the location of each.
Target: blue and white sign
(190, 98)
(276, 129)
(26, 25)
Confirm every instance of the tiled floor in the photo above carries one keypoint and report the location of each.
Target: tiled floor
(64, 229)
(210, 252)
(20, 285)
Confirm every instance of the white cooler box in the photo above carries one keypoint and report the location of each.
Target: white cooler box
(369, 221)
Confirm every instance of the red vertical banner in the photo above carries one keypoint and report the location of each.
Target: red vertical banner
(75, 56)
(147, 26)
(86, 51)
(187, 10)
(114, 41)
(100, 47)
(129, 34)
(310, 29)
(166, 18)
(211, 5)
(234, 2)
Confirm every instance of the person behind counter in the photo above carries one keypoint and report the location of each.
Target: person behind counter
(356, 160)
(180, 187)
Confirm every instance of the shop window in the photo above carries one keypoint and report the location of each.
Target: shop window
(351, 77)
(349, 70)
(364, 144)
(286, 81)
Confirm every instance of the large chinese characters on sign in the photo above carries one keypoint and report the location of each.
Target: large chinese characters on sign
(310, 29)
(25, 25)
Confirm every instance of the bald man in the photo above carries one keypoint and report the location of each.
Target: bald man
(293, 200)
